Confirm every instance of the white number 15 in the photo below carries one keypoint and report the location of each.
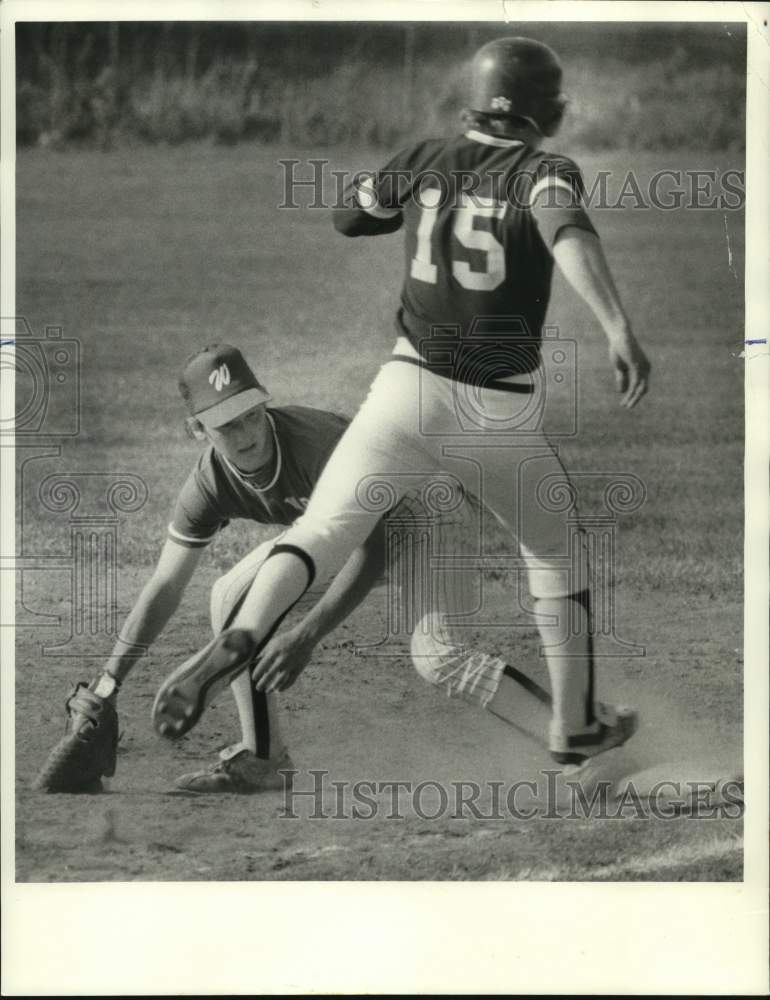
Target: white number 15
(423, 269)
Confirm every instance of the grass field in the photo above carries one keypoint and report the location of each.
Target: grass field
(145, 256)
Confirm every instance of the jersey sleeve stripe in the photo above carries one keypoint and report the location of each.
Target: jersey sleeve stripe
(188, 540)
(547, 182)
(366, 197)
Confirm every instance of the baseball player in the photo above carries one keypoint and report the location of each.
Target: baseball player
(485, 215)
(261, 464)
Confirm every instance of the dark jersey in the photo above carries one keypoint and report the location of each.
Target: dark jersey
(216, 493)
(480, 215)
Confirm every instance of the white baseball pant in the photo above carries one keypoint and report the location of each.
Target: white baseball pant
(414, 426)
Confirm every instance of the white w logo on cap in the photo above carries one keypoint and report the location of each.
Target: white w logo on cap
(220, 377)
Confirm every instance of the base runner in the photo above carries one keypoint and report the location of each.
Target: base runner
(261, 464)
(485, 215)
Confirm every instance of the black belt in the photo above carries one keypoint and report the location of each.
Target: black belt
(496, 384)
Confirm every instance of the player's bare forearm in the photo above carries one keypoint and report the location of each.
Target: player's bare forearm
(351, 585)
(154, 608)
(581, 259)
(147, 619)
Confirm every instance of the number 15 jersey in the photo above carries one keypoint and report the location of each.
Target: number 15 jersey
(480, 214)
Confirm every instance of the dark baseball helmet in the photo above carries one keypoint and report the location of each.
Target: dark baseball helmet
(518, 78)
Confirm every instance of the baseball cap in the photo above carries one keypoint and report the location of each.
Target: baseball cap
(218, 385)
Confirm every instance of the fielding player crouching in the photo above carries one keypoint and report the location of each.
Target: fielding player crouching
(261, 464)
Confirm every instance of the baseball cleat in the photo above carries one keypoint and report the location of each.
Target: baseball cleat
(238, 772)
(615, 726)
(185, 694)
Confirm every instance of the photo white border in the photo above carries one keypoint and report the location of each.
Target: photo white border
(517, 937)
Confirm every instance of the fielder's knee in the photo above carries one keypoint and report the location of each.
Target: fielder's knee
(225, 596)
(429, 656)
(472, 676)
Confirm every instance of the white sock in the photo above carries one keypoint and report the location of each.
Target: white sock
(243, 693)
(241, 688)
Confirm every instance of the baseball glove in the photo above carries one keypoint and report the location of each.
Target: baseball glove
(87, 751)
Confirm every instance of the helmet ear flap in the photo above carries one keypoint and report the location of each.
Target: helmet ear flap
(552, 115)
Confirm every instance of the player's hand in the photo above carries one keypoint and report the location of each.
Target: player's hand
(632, 368)
(282, 661)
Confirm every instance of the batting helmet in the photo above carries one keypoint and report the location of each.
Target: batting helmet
(518, 78)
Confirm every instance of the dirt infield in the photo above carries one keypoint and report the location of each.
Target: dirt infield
(374, 719)
(142, 258)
